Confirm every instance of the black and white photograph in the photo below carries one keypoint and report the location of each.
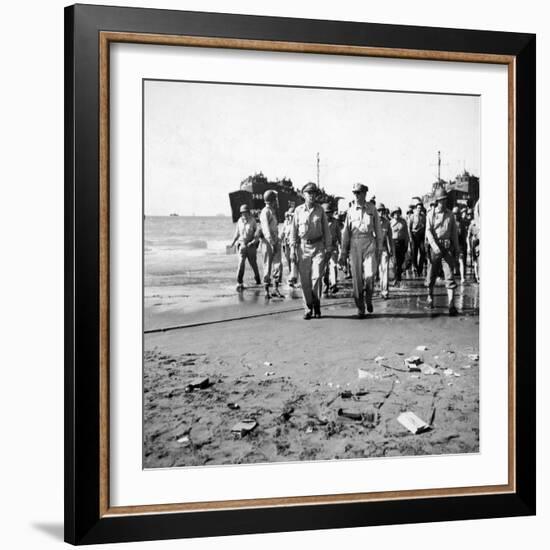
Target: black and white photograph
(312, 273)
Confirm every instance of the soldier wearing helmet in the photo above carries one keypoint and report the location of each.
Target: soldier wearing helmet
(247, 245)
(309, 240)
(330, 277)
(362, 241)
(285, 239)
(442, 234)
(386, 252)
(271, 245)
(400, 237)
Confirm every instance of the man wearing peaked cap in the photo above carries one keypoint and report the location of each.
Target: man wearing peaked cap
(362, 242)
(417, 232)
(309, 240)
(386, 252)
(247, 245)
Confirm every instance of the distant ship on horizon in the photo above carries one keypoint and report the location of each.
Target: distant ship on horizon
(174, 214)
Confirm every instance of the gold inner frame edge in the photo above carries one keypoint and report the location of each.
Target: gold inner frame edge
(105, 39)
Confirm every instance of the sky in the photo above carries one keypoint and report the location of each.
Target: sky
(202, 139)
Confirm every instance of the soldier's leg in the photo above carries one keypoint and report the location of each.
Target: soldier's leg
(242, 260)
(422, 256)
(356, 269)
(267, 254)
(383, 270)
(333, 270)
(304, 269)
(414, 253)
(317, 270)
(253, 261)
(448, 265)
(369, 270)
(433, 269)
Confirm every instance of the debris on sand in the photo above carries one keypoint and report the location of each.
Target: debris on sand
(267, 364)
(346, 394)
(422, 348)
(413, 362)
(368, 416)
(362, 373)
(473, 357)
(428, 369)
(184, 439)
(379, 358)
(244, 427)
(467, 367)
(233, 406)
(198, 384)
(309, 430)
(448, 372)
(270, 373)
(414, 424)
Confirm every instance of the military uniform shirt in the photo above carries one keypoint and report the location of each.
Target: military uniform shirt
(269, 224)
(385, 231)
(442, 226)
(245, 230)
(417, 223)
(310, 224)
(399, 230)
(362, 222)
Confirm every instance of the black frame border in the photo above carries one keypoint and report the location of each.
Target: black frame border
(83, 524)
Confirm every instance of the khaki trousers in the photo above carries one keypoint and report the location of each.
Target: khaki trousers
(311, 265)
(272, 262)
(363, 268)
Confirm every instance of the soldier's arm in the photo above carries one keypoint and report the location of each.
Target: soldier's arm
(430, 235)
(327, 235)
(454, 235)
(293, 231)
(235, 236)
(378, 231)
(346, 238)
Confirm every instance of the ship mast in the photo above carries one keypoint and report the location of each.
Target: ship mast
(318, 172)
(439, 166)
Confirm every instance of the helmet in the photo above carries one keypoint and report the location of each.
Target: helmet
(456, 210)
(270, 196)
(244, 208)
(380, 206)
(396, 209)
(359, 188)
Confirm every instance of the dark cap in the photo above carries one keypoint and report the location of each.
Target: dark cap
(309, 187)
(359, 188)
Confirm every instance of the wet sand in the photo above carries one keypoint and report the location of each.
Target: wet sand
(288, 375)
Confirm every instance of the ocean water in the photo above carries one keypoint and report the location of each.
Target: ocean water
(188, 250)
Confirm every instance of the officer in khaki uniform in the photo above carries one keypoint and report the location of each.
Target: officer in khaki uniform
(247, 245)
(362, 241)
(285, 239)
(442, 234)
(386, 252)
(310, 238)
(271, 244)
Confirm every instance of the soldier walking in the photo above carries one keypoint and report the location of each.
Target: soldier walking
(271, 245)
(442, 234)
(386, 252)
(331, 261)
(309, 240)
(292, 267)
(362, 241)
(400, 237)
(417, 230)
(247, 245)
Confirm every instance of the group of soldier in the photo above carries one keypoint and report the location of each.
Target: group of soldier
(316, 244)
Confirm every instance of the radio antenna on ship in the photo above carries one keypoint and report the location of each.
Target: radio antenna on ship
(318, 172)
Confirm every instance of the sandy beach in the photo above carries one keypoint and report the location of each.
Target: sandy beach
(293, 378)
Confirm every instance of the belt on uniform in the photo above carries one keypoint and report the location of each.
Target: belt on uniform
(312, 241)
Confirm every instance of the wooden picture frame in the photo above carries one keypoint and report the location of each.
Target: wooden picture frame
(89, 32)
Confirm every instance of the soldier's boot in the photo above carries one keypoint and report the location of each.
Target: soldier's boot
(276, 291)
(368, 296)
(451, 295)
(267, 293)
(430, 301)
